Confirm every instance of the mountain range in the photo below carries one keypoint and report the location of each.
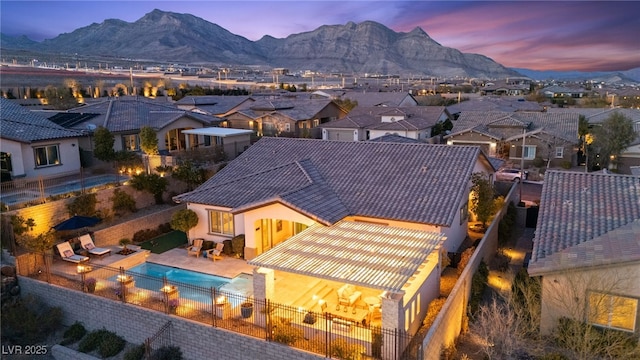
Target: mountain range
(366, 47)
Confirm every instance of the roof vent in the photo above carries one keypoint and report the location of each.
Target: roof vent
(424, 169)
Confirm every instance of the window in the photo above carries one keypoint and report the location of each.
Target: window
(611, 311)
(287, 127)
(464, 212)
(559, 152)
(130, 142)
(47, 155)
(221, 222)
(316, 122)
(529, 152)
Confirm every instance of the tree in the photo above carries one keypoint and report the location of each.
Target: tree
(103, 144)
(189, 173)
(60, 98)
(151, 183)
(482, 198)
(83, 205)
(184, 220)
(346, 104)
(149, 140)
(614, 135)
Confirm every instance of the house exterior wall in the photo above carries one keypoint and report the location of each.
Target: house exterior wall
(201, 230)
(182, 123)
(235, 145)
(341, 134)
(564, 294)
(24, 163)
(543, 151)
(487, 144)
(374, 134)
(420, 292)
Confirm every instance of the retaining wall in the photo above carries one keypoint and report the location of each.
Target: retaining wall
(111, 236)
(135, 324)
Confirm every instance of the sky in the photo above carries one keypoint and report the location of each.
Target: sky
(538, 35)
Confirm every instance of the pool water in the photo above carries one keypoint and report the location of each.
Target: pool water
(184, 279)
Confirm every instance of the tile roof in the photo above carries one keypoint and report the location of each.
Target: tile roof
(414, 118)
(586, 219)
(375, 98)
(488, 103)
(419, 183)
(118, 115)
(396, 139)
(20, 124)
(374, 256)
(504, 125)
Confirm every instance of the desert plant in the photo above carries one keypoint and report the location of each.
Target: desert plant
(28, 320)
(122, 202)
(151, 183)
(284, 333)
(110, 345)
(135, 353)
(124, 242)
(90, 283)
(237, 244)
(84, 205)
(167, 353)
(92, 340)
(73, 334)
(341, 349)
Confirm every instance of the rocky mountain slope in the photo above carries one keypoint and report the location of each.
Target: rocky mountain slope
(367, 47)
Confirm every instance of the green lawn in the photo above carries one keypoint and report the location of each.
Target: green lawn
(165, 242)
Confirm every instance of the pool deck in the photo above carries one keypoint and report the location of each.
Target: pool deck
(226, 266)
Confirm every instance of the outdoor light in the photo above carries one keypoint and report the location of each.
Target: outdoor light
(83, 269)
(220, 300)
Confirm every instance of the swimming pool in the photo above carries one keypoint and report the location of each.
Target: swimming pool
(191, 284)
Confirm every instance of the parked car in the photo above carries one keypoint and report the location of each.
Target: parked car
(510, 175)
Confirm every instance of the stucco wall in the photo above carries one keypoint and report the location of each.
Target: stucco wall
(448, 324)
(135, 324)
(68, 154)
(111, 236)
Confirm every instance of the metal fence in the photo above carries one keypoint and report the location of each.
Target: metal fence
(160, 339)
(318, 332)
(20, 193)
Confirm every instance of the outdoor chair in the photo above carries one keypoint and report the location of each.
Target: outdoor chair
(348, 295)
(195, 248)
(87, 243)
(216, 252)
(66, 251)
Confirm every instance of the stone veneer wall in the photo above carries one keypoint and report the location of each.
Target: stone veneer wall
(135, 324)
(448, 324)
(111, 236)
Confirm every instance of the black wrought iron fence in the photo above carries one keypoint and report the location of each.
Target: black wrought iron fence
(321, 332)
(160, 339)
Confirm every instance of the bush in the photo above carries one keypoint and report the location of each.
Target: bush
(167, 353)
(92, 341)
(136, 353)
(478, 284)
(341, 349)
(284, 333)
(83, 205)
(237, 244)
(464, 259)
(28, 321)
(144, 235)
(538, 162)
(566, 164)
(110, 345)
(553, 356)
(123, 202)
(73, 334)
(164, 228)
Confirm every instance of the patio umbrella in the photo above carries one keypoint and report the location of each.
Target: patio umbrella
(77, 222)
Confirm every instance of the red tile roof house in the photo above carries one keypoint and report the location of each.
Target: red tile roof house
(587, 250)
(374, 215)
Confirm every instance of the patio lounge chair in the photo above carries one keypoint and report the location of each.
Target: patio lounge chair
(348, 295)
(87, 243)
(216, 252)
(195, 248)
(67, 253)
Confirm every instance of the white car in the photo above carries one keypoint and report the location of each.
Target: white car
(514, 175)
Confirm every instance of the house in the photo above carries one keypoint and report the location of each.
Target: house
(552, 137)
(124, 117)
(381, 98)
(557, 91)
(285, 117)
(492, 103)
(32, 146)
(365, 123)
(388, 207)
(214, 105)
(586, 250)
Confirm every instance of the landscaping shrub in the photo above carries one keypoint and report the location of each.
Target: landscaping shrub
(92, 341)
(237, 244)
(584, 338)
(478, 284)
(167, 353)
(27, 321)
(341, 349)
(505, 228)
(83, 205)
(284, 333)
(110, 345)
(73, 334)
(136, 353)
(538, 162)
(144, 235)
(553, 356)
(464, 259)
(566, 165)
(165, 228)
(123, 202)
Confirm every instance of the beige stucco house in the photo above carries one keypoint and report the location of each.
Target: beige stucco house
(32, 146)
(374, 215)
(587, 250)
